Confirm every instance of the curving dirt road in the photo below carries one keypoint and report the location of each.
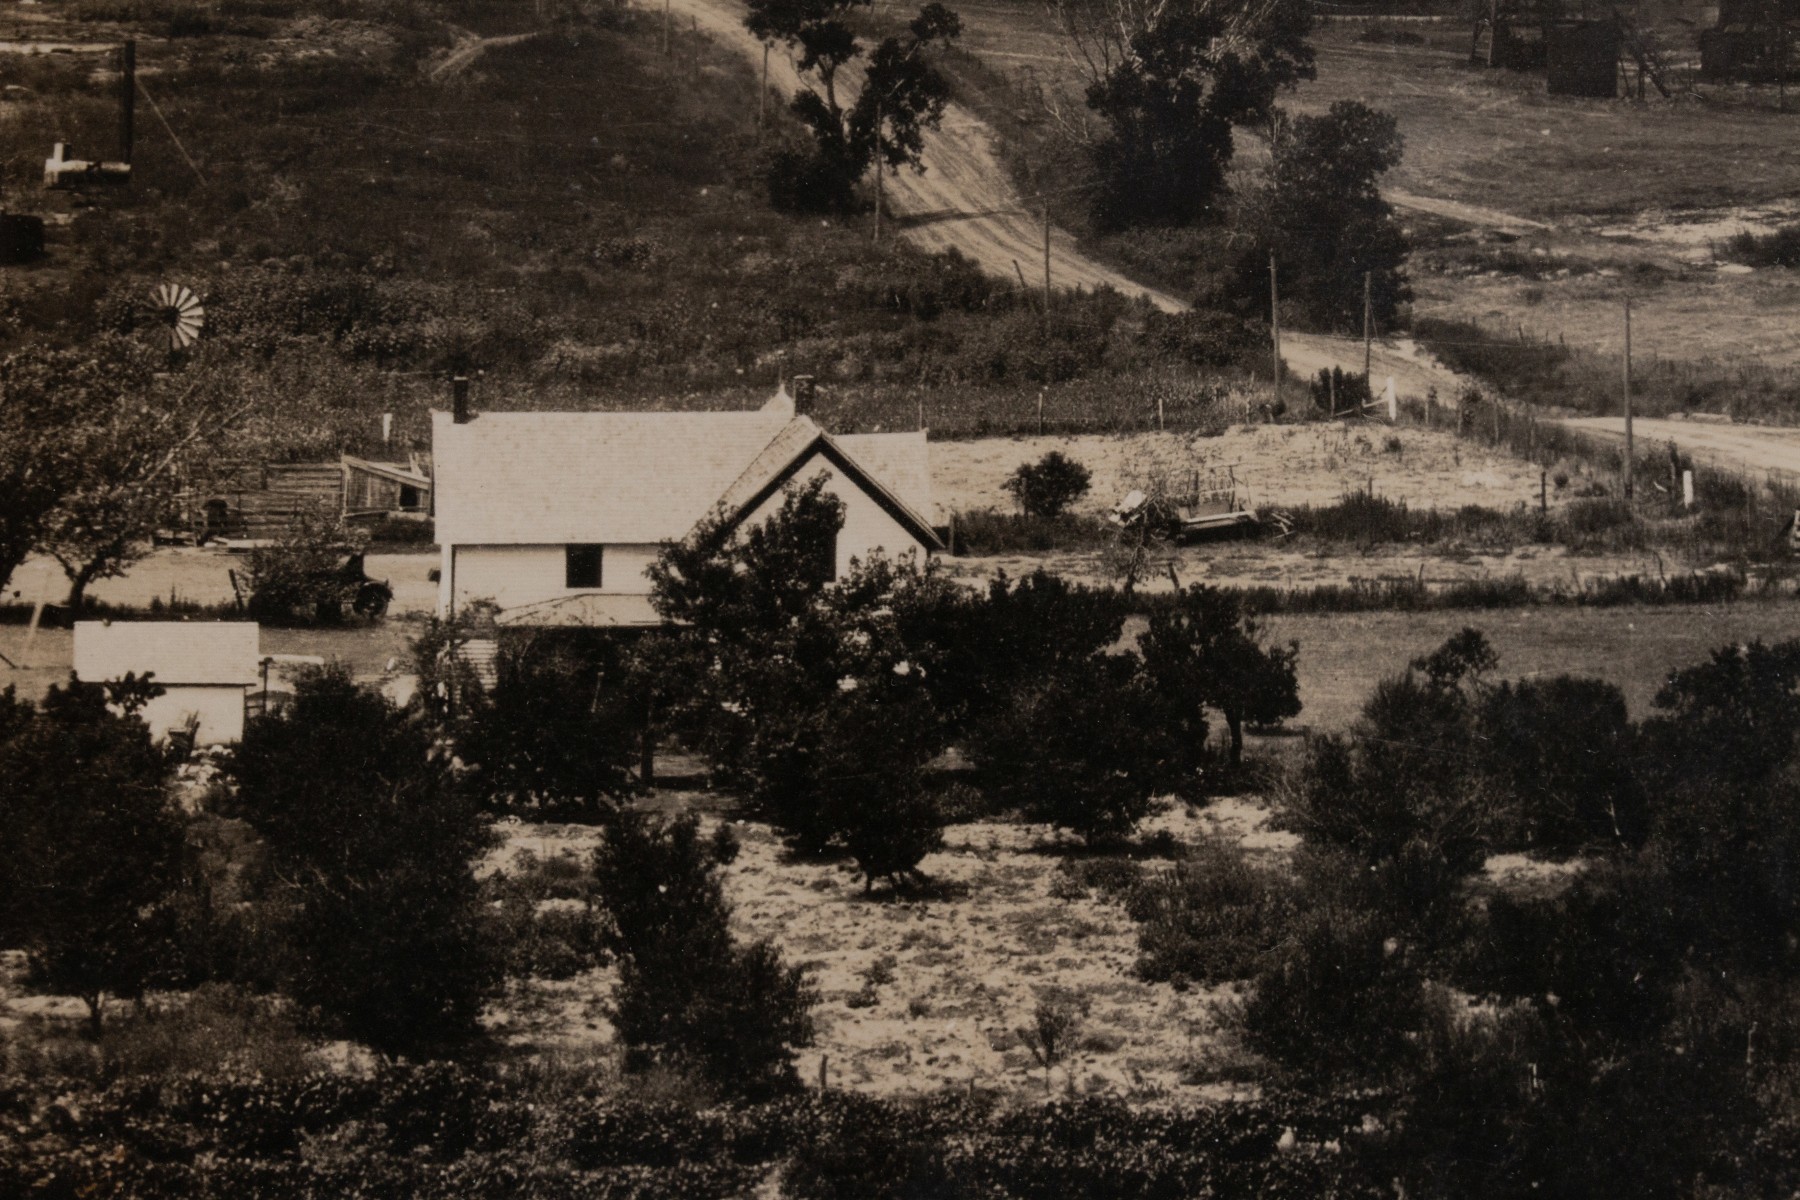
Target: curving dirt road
(964, 200)
(1737, 447)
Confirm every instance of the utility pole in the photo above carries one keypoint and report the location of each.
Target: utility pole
(879, 185)
(668, 29)
(1368, 284)
(762, 103)
(1274, 328)
(1046, 270)
(127, 99)
(1627, 382)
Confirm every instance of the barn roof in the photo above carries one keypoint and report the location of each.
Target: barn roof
(532, 478)
(178, 653)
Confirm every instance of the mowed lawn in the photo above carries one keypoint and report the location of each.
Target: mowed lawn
(1343, 655)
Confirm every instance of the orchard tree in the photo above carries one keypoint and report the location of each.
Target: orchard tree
(1048, 486)
(94, 847)
(902, 96)
(557, 734)
(1087, 748)
(1323, 217)
(812, 694)
(374, 843)
(137, 457)
(688, 996)
(1170, 80)
(1203, 653)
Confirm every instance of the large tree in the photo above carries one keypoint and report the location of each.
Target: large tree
(138, 456)
(1171, 78)
(93, 845)
(901, 95)
(1322, 216)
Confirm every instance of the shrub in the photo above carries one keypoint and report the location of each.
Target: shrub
(688, 997)
(374, 843)
(1563, 750)
(1212, 918)
(1338, 1000)
(301, 575)
(1047, 487)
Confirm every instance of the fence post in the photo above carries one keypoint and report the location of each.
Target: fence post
(1543, 491)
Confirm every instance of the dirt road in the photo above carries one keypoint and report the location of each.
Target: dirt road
(965, 200)
(1738, 447)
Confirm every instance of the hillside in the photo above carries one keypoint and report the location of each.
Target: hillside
(378, 197)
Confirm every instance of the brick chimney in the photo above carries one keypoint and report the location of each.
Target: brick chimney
(804, 393)
(459, 392)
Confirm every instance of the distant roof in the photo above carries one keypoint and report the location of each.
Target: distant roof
(534, 478)
(176, 652)
(398, 472)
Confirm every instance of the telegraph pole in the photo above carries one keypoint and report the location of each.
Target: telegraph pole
(1046, 270)
(1274, 328)
(762, 103)
(1368, 282)
(878, 171)
(1627, 382)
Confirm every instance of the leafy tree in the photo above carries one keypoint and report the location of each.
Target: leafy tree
(1203, 653)
(48, 398)
(1048, 486)
(557, 734)
(1170, 81)
(1323, 217)
(137, 458)
(1087, 749)
(688, 996)
(985, 648)
(374, 843)
(902, 95)
(94, 847)
(811, 693)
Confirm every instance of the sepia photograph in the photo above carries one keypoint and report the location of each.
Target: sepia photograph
(899, 599)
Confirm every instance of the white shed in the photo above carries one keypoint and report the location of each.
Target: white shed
(205, 668)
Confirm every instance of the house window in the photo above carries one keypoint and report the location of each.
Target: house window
(581, 566)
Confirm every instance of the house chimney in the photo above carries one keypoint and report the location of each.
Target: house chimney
(459, 391)
(804, 391)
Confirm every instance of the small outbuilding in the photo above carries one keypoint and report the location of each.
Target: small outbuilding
(205, 668)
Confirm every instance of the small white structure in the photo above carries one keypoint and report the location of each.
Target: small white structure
(205, 668)
(555, 516)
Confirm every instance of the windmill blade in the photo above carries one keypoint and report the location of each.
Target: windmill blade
(179, 316)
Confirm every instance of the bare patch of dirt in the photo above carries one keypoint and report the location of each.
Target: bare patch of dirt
(959, 974)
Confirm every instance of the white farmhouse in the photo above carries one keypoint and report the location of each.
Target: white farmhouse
(554, 517)
(205, 669)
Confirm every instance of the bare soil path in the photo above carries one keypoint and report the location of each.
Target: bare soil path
(964, 201)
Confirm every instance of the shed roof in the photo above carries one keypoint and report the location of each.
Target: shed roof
(177, 653)
(534, 478)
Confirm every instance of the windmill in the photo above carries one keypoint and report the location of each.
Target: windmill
(175, 317)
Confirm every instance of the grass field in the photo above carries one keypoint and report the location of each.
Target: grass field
(1529, 213)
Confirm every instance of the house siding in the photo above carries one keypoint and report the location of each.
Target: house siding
(867, 525)
(512, 576)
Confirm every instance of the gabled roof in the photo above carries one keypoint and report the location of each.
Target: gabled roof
(178, 653)
(534, 478)
(397, 472)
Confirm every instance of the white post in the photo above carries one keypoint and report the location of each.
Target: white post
(1687, 489)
